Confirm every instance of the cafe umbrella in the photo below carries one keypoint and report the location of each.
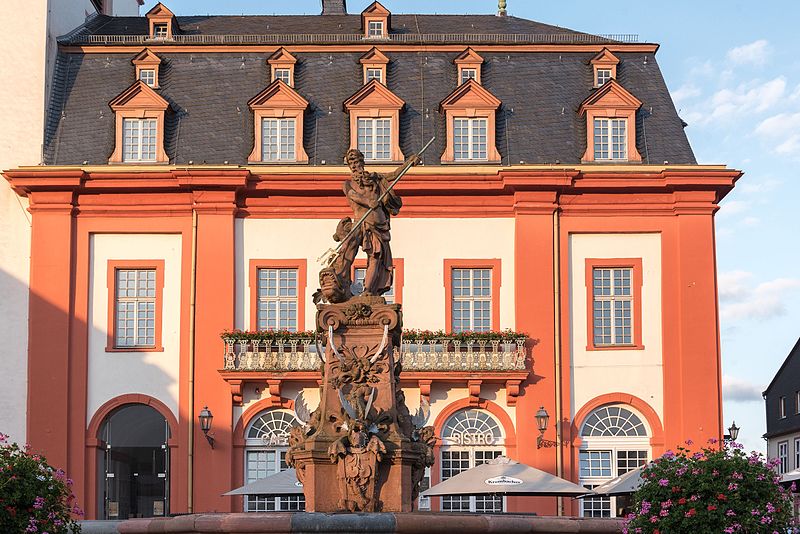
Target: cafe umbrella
(504, 476)
(283, 483)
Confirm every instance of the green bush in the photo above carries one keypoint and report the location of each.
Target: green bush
(710, 491)
(34, 498)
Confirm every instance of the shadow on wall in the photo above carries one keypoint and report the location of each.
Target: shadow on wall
(13, 357)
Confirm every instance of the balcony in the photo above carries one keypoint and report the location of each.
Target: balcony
(425, 360)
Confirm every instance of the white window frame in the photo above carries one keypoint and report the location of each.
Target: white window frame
(468, 73)
(497, 448)
(616, 147)
(284, 74)
(797, 453)
(605, 78)
(148, 76)
(477, 150)
(277, 444)
(135, 154)
(375, 29)
(469, 323)
(616, 314)
(783, 457)
(160, 30)
(284, 148)
(782, 407)
(797, 402)
(368, 143)
(371, 74)
(285, 299)
(143, 279)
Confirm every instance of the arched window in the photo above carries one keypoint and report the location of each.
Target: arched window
(614, 441)
(470, 438)
(266, 442)
(134, 464)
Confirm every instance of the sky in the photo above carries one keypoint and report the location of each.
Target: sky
(734, 73)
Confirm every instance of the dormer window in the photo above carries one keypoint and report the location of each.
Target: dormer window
(610, 139)
(611, 124)
(469, 66)
(277, 140)
(375, 122)
(160, 31)
(284, 75)
(139, 140)
(469, 139)
(604, 67)
(148, 76)
(375, 74)
(375, 21)
(278, 119)
(374, 64)
(139, 113)
(602, 76)
(375, 138)
(375, 28)
(468, 74)
(281, 65)
(470, 113)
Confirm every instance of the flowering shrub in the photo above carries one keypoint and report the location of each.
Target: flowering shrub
(710, 490)
(34, 498)
(270, 336)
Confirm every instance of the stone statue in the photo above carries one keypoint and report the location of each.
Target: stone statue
(373, 201)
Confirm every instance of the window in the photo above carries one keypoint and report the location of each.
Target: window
(797, 402)
(610, 139)
(266, 442)
(469, 139)
(375, 138)
(612, 309)
(375, 28)
(139, 137)
(160, 31)
(614, 441)
(603, 75)
(468, 74)
(374, 74)
(782, 407)
(277, 299)
(470, 438)
(471, 300)
(357, 287)
(148, 76)
(277, 139)
(284, 75)
(783, 457)
(797, 453)
(135, 301)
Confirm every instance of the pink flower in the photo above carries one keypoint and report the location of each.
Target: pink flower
(663, 482)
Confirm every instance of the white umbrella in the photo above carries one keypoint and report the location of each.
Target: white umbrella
(505, 476)
(622, 485)
(283, 483)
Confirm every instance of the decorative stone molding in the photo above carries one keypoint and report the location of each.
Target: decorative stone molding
(611, 101)
(471, 100)
(147, 60)
(375, 100)
(139, 101)
(374, 59)
(158, 17)
(375, 12)
(278, 100)
(282, 59)
(604, 60)
(469, 59)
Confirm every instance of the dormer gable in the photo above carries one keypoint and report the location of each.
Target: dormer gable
(469, 65)
(376, 21)
(374, 65)
(611, 114)
(147, 66)
(371, 107)
(284, 109)
(374, 95)
(139, 121)
(470, 115)
(282, 65)
(604, 67)
(160, 22)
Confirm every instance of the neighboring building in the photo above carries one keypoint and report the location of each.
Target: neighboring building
(27, 82)
(782, 401)
(192, 175)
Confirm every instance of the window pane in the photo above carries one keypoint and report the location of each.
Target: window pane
(471, 306)
(135, 305)
(277, 294)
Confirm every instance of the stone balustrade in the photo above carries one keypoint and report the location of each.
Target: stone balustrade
(440, 355)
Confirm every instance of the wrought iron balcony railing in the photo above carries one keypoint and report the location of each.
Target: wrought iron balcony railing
(440, 355)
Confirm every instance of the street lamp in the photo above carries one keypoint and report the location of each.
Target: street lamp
(542, 421)
(733, 432)
(205, 424)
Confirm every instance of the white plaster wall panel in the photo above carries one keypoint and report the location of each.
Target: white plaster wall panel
(289, 390)
(423, 290)
(123, 8)
(638, 372)
(26, 74)
(772, 449)
(116, 373)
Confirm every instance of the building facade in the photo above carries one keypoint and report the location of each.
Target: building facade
(193, 174)
(782, 403)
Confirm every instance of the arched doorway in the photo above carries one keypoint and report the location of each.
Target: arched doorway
(614, 440)
(266, 443)
(134, 465)
(470, 438)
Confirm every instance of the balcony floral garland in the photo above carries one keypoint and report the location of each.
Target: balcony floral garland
(409, 335)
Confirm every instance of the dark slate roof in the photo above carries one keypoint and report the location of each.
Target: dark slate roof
(219, 25)
(785, 384)
(538, 122)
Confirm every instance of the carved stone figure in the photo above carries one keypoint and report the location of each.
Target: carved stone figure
(357, 456)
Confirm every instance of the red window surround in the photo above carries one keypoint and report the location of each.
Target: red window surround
(449, 265)
(111, 283)
(636, 314)
(399, 267)
(300, 265)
